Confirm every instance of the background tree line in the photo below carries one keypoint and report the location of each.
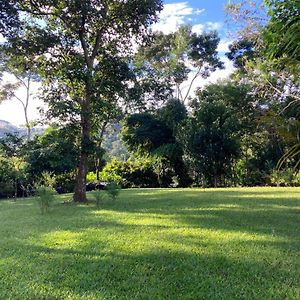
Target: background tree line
(242, 131)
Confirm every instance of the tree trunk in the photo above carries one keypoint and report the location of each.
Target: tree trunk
(80, 186)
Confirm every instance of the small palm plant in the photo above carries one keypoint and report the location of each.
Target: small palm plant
(113, 190)
(45, 198)
(98, 195)
(45, 191)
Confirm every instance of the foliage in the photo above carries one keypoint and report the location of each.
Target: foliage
(44, 189)
(13, 176)
(286, 177)
(46, 179)
(46, 196)
(154, 135)
(132, 173)
(144, 133)
(91, 177)
(7, 174)
(113, 190)
(241, 52)
(282, 35)
(165, 63)
(282, 55)
(55, 151)
(98, 196)
(12, 145)
(65, 182)
(210, 137)
(172, 114)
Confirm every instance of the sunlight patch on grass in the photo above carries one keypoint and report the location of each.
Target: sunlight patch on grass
(155, 244)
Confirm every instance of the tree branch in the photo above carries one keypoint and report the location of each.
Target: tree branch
(81, 33)
(191, 84)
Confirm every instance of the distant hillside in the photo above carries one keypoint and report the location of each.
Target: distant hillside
(6, 127)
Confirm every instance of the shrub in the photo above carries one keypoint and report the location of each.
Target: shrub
(113, 190)
(132, 173)
(47, 179)
(65, 182)
(91, 177)
(46, 196)
(98, 196)
(287, 177)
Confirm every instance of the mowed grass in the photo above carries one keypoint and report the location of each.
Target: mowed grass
(155, 244)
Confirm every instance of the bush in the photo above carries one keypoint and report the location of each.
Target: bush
(46, 196)
(113, 190)
(287, 177)
(249, 174)
(132, 173)
(13, 177)
(91, 177)
(65, 182)
(47, 179)
(98, 196)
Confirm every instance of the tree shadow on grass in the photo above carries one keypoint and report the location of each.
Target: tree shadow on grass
(178, 260)
(156, 274)
(223, 210)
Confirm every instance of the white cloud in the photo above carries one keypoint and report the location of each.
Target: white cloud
(224, 46)
(213, 25)
(173, 16)
(221, 74)
(198, 28)
(199, 11)
(176, 14)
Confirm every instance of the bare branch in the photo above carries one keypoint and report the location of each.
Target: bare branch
(191, 84)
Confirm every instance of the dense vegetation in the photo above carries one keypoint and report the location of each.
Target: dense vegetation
(120, 105)
(122, 110)
(154, 244)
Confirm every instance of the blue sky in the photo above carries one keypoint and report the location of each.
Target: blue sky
(203, 12)
(203, 15)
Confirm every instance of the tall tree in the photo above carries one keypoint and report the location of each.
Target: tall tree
(210, 141)
(84, 61)
(20, 65)
(170, 64)
(273, 70)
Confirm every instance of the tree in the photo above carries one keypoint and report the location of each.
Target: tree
(282, 35)
(209, 138)
(210, 142)
(13, 170)
(282, 54)
(268, 41)
(154, 135)
(144, 133)
(274, 69)
(21, 66)
(170, 61)
(84, 66)
(241, 52)
(55, 152)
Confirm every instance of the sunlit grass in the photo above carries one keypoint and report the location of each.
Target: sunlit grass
(155, 244)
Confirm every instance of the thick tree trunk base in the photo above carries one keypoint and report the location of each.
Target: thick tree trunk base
(79, 197)
(80, 187)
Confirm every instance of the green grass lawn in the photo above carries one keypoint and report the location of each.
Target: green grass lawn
(155, 244)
